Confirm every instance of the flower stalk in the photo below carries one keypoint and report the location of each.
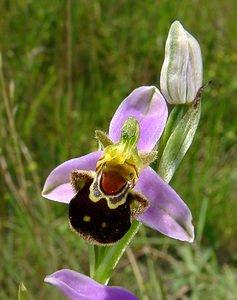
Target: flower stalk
(112, 255)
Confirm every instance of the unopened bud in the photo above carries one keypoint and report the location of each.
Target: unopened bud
(181, 73)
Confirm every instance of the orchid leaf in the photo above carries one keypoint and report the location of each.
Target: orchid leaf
(22, 292)
(179, 142)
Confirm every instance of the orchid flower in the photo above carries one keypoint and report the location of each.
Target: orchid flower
(106, 189)
(78, 286)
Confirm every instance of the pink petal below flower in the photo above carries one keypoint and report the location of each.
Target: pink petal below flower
(148, 106)
(167, 212)
(77, 286)
(57, 186)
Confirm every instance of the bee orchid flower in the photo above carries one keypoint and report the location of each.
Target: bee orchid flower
(78, 286)
(106, 189)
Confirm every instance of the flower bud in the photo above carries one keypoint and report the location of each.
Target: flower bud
(181, 73)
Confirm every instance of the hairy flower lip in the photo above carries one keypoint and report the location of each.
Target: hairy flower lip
(167, 212)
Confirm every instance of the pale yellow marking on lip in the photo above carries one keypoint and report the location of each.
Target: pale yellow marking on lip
(86, 218)
(103, 224)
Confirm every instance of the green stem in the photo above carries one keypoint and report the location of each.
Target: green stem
(91, 260)
(113, 254)
(175, 116)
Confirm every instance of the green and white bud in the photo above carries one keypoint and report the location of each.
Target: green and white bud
(181, 73)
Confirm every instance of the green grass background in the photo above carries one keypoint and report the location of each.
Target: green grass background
(66, 67)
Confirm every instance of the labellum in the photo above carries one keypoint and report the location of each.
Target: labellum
(106, 216)
(105, 203)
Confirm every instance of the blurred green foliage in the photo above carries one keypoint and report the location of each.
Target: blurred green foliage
(66, 67)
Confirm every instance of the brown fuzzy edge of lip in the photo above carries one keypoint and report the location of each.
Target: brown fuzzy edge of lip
(79, 178)
(142, 200)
